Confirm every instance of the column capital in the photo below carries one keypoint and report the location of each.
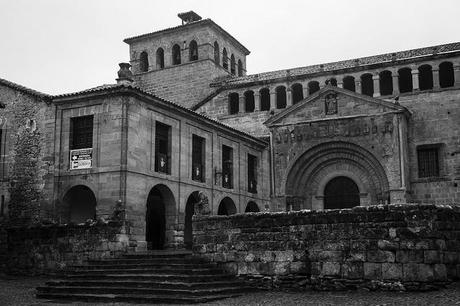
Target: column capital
(414, 71)
(376, 77)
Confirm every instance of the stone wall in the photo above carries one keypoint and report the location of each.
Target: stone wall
(44, 249)
(402, 247)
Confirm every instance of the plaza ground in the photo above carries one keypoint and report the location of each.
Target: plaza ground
(19, 291)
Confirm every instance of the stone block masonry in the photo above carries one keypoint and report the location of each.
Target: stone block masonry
(392, 247)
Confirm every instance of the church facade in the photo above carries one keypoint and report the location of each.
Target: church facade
(186, 126)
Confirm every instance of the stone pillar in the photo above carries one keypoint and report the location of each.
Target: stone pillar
(376, 79)
(256, 101)
(436, 78)
(358, 85)
(457, 74)
(272, 98)
(395, 77)
(241, 104)
(289, 97)
(415, 86)
(305, 90)
(339, 84)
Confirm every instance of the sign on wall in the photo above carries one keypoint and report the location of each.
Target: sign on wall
(81, 158)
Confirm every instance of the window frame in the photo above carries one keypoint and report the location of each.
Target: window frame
(433, 171)
(158, 167)
(89, 130)
(202, 158)
(227, 165)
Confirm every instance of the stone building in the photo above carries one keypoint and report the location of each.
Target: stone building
(188, 125)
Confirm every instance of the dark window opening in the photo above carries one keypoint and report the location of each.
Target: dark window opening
(224, 59)
(226, 207)
(367, 85)
(216, 53)
(297, 93)
(2, 208)
(232, 64)
(428, 161)
(252, 173)
(313, 87)
(446, 75)
(160, 58)
(252, 207)
(349, 83)
(81, 132)
(193, 51)
(386, 83)
(176, 55)
(280, 97)
(198, 158)
(425, 77)
(264, 99)
(341, 192)
(332, 82)
(162, 148)
(249, 101)
(240, 68)
(233, 103)
(405, 80)
(81, 204)
(144, 62)
(227, 167)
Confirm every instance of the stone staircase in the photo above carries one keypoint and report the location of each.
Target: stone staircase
(151, 277)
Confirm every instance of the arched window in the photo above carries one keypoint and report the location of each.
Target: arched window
(297, 93)
(386, 83)
(216, 53)
(233, 103)
(280, 97)
(226, 207)
(224, 59)
(264, 99)
(232, 64)
(193, 51)
(349, 83)
(144, 62)
(240, 68)
(176, 55)
(405, 80)
(249, 101)
(313, 87)
(252, 207)
(332, 82)
(446, 75)
(425, 77)
(367, 85)
(160, 58)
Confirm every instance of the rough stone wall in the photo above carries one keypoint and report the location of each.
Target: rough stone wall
(45, 249)
(398, 247)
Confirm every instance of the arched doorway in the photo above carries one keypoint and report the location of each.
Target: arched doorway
(252, 207)
(341, 192)
(159, 217)
(81, 203)
(226, 207)
(189, 211)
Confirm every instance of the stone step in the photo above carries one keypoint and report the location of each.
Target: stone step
(163, 260)
(150, 277)
(158, 271)
(144, 265)
(131, 298)
(159, 254)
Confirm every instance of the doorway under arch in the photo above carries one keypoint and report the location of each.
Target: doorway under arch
(159, 217)
(226, 207)
(81, 203)
(341, 192)
(252, 207)
(189, 212)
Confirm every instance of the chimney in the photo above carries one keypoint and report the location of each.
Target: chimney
(125, 76)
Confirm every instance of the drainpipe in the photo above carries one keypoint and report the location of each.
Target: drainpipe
(272, 170)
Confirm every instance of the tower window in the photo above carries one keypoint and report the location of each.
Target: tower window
(264, 99)
(252, 173)
(144, 62)
(232, 65)
(428, 161)
(227, 167)
(216, 53)
(198, 158)
(280, 97)
(82, 132)
(193, 51)
(176, 55)
(233, 103)
(162, 148)
(160, 58)
(224, 59)
(367, 85)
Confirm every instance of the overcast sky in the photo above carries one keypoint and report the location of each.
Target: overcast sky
(58, 46)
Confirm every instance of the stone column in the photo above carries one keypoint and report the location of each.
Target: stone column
(256, 101)
(305, 90)
(241, 104)
(415, 79)
(272, 98)
(358, 85)
(376, 79)
(436, 78)
(457, 74)
(395, 76)
(289, 97)
(340, 84)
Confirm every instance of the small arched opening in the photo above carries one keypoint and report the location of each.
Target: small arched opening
(446, 75)
(405, 80)
(240, 68)
(386, 83)
(297, 93)
(249, 101)
(233, 103)
(144, 62)
(224, 59)
(341, 192)
(160, 58)
(280, 97)
(313, 87)
(232, 64)
(176, 57)
(367, 85)
(425, 77)
(226, 207)
(81, 203)
(252, 207)
(193, 51)
(189, 212)
(216, 53)
(264, 99)
(349, 83)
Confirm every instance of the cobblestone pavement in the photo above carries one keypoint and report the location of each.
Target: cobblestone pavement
(19, 291)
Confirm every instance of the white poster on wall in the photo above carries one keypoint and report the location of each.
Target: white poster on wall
(81, 158)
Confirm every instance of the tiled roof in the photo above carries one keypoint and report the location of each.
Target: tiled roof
(363, 61)
(203, 22)
(24, 89)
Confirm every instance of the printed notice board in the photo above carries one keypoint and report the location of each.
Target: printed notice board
(81, 158)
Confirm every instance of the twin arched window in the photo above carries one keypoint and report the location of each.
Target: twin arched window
(144, 62)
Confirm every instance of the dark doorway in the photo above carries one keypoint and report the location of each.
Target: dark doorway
(226, 207)
(252, 207)
(341, 192)
(81, 203)
(189, 211)
(160, 211)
